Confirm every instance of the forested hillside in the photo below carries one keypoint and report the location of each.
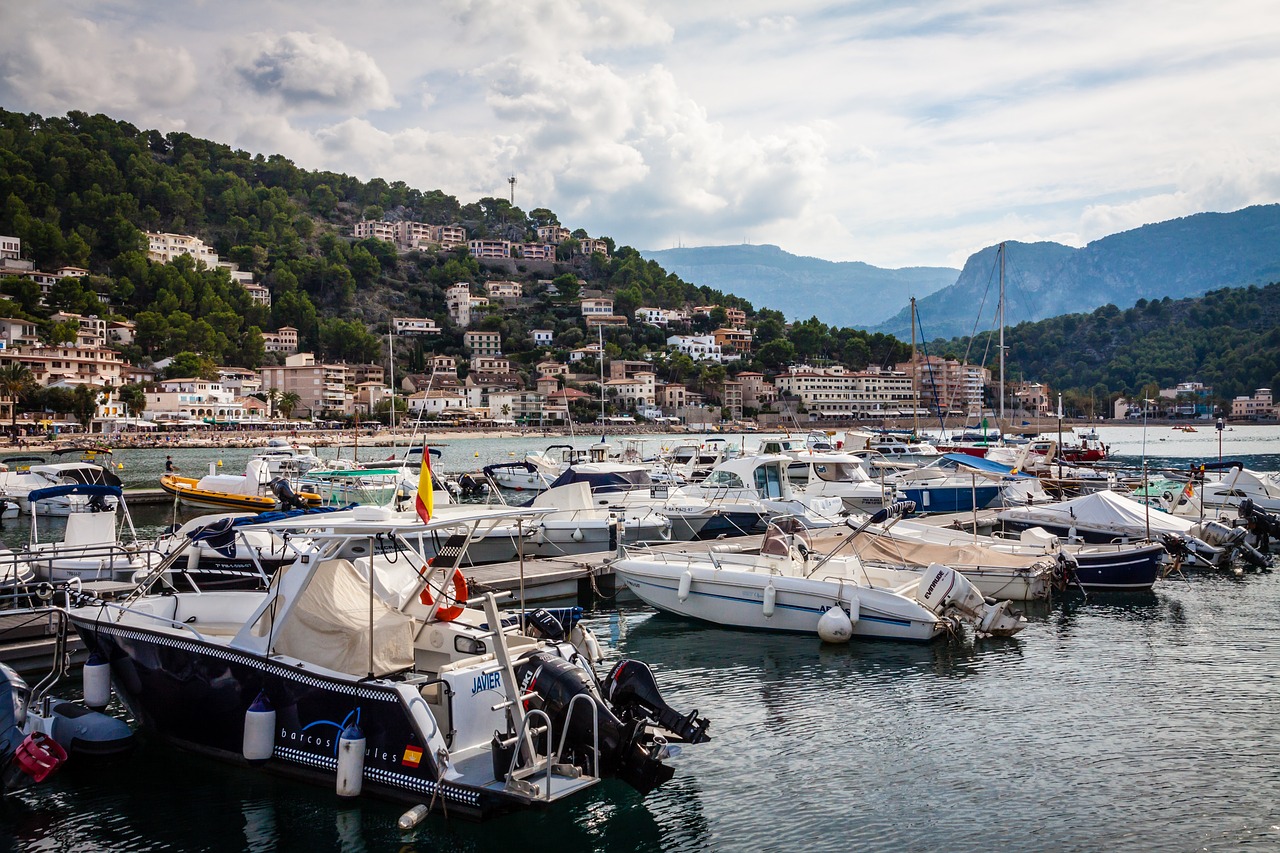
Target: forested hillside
(1228, 339)
(79, 190)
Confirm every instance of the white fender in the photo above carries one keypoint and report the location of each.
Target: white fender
(350, 761)
(686, 583)
(97, 682)
(770, 599)
(259, 731)
(855, 608)
(577, 536)
(834, 626)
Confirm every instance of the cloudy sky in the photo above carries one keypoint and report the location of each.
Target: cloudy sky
(887, 132)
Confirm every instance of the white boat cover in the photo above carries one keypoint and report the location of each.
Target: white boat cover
(875, 548)
(1104, 510)
(329, 625)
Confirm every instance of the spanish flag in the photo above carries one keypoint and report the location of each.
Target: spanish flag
(424, 504)
(412, 756)
(1189, 491)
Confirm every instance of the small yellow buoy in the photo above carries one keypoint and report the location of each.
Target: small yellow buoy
(477, 454)
(219, 463)
(120, 466)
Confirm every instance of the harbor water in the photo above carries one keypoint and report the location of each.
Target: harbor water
(1142, 722)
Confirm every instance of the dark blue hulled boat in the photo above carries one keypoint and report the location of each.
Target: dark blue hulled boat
(370, 675)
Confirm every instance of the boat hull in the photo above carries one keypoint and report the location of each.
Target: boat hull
(1119, 570)
(950, 498)
(736, 599)
(194, 694)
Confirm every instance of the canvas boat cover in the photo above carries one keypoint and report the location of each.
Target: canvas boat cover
(329, 625)
(1105, 510)
(887, 548)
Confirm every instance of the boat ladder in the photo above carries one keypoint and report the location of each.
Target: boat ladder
(532, 724)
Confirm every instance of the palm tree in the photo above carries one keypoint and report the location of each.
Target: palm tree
(15, 382)
(289, 401)
(273, 394)
(134, 398)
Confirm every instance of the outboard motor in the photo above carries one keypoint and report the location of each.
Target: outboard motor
(25, 759)
(945, 591)
(1264, 526)
(285, 494)
(631, 688)
(627, 750)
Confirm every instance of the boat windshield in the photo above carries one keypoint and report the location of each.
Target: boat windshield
(769, 481)
(837, 472)
(724, 479)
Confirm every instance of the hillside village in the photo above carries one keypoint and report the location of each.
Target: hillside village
(490, 389)
(165, 281)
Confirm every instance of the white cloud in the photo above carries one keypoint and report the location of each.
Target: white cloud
(309, 70)
(53, 62)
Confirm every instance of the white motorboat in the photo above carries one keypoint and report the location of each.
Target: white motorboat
(376, 676)
(1108, 517)
(17, 485)
(538, 469)
(789, 587)
(288, 458)
(841, 475)
(762, 479)
(630, 488)
(90, 548)
(575, 524)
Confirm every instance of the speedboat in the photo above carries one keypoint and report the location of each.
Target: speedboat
(790, 587)
(741, 485)
(841, 475)
(257, 490)
(630, 488)
(377, 676)
(17, 485)
(943, 487)
(574, 524)
(1108, 517)
(288, 458)
(90, 549)
(538, 469)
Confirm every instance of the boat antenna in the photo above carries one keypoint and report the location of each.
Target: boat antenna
(1000, 423)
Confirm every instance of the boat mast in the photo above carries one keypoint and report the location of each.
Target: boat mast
(915, 391)
(1000, 423)
(600, 331)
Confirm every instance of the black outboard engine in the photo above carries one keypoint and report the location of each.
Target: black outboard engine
(627, 750)
(285, 494)
(631, 688)
(472, 486)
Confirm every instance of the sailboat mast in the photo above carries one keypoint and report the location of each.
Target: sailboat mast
(1000, 423)
(915, 371)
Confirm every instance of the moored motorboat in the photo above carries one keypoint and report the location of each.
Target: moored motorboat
(254, 491)
(374, 676)
(789, 587)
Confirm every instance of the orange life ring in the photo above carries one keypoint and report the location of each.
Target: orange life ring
(448, 612)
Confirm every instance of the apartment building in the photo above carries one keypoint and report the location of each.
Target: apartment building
(163, 248)
(377, 229)
(731, 398)
(736, 339)
(68, 364)
(11, 248)
(946, 385)
(193, 399)
(504, 289)
(320, 387)
(553, 234)
(258, 294)
(489, 248)
(414, 326)
(538, 251)
(736, 317)
(284, 339)
(90, 331)
(589, 246)
(836, 393)
(671, 397)
(1259, 405)
(596, 307)
(637, 390)
(697, 347)
(483, 343)
(240, 381)
(490, 364)
(757, 392)
(16, 333)
(435, 402)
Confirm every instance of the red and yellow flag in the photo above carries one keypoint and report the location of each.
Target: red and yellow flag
(424, 503)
